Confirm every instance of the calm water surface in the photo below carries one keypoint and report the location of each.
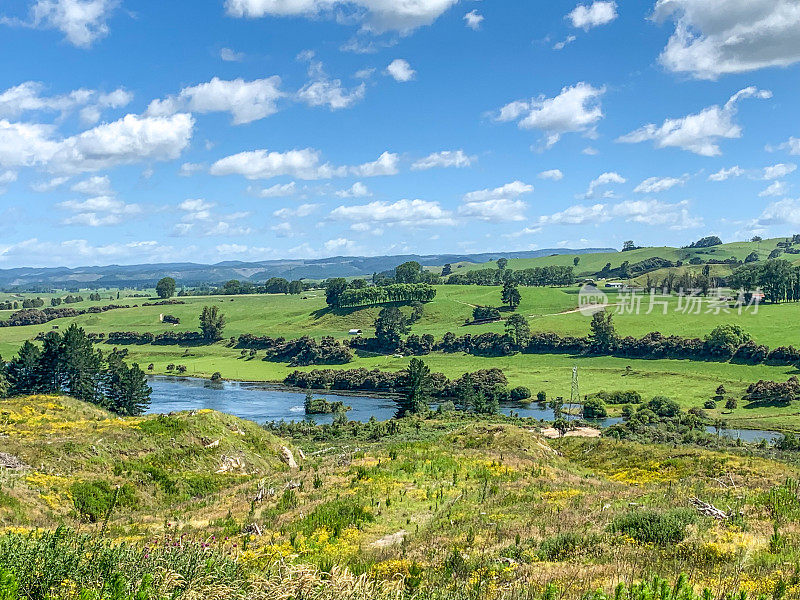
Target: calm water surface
(261, 403)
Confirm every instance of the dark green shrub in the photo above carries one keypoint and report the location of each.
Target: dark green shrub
(520, 393)
(93, 499)
(651, 527)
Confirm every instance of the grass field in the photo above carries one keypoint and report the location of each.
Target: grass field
(592, 263)
(689, 382)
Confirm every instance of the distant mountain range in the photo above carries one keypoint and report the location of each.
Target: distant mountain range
(198, 274)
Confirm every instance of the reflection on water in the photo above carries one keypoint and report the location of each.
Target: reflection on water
(260, 403)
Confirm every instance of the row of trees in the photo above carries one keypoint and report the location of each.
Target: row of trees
(340, 296)
(68, 363)
(550, 276)
(778, 279)
(166, 287)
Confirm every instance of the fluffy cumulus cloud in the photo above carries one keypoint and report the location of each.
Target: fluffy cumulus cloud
(656, 213)
(473, 20)
(200, 219)
(30, 96)
(701, 132)
(578, 214)
(99, 185)
(375, 15)
(729, 36)
(403, 213)
(725, 174)
(655, 185)
(593, 15)
(781, 212)
(279, 190)
(246, 101)
(792, 145)
(357, 190)
(575, 110)
(778, 171)
(82, 22)
(321, 90)
(604, 179)
(400, 70)
(302, 210)
(98, 211)
(304, 164)
(776, 188)
(646, 212)
(129, 140)
(448, 158)
(498, 204)
(552, 175)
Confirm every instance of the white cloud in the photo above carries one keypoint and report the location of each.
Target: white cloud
(98, 211)
(247, 101)
(74, 253)
(509, 190)
(700, 132)
(792, 145)
(50, 185)
(578, 214)
(604, 179)
(340, 245)
(357, 190)
(99, 185)
(377, 15)
(30, 97)
(8, 177)
(331, 93)
(655, 185)
(473, 20)
(199, 218)
(302, 210)
(593, 15)
(400, 70)
(575, 110)
(229, 55)
(552, 174)
(276, 191)
(589, 151)
(387, 164)
(564, 43)
(778, 171)
(188, 169)
(781, 212)
(494, 210)
(725, 174)
(445, 159)
(777, 188)
(302, 164)
(404, 213)
(82, 22)
(657, 213)
(729, 36)
(126, 141)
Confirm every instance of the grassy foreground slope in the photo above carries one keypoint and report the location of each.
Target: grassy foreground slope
(443, 508)
(73, 454)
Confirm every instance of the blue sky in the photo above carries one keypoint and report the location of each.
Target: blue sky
(142, 131)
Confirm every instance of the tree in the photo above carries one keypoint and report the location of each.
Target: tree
(502, 263)
(165, 288)
(576, 260)
(212, 323)
(390, 327)
(334, 288)
(756, 238)
(628, 245)
(448, 268)
(80, 365)
(125, 387)
(510, 294)
(594, 408)
(751, 258)
(518, 330)
(603, 335)
(296, 287)
(408, 272)
(23, 371)
(418, 388)
(706, 242)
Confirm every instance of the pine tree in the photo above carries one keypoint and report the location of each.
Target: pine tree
(23, 370)
(126, 390)
(418, 388)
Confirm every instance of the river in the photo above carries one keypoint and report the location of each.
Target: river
(263, 403)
